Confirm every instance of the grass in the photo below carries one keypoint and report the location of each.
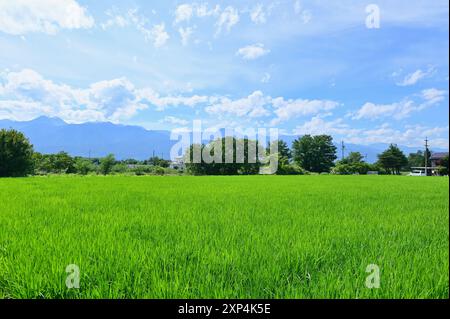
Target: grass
(224, 237)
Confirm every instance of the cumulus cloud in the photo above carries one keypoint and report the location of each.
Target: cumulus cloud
(289, 109)
(19, 17)
(259, 105)
(253, 106)
(159, 35)
(252, 52)
(26, 94)
(411, 135)
(399, 110)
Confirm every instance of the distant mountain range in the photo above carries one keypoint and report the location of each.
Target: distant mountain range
(52, 135)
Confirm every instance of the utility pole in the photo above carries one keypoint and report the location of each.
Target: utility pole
(342, 150)
(426, 156)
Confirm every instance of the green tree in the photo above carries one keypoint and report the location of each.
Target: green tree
(106, 164)
(314, 153)
(392, 160)
(63, 163)
(355, 157)
(16, 154)
(226, 164)
(157, 161)
(83, 166)
(443, 167)
(416, 159)
(284, 153)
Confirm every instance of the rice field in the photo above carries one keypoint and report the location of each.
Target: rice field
(224, 237)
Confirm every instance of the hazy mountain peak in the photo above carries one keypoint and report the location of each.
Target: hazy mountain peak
(48, 120)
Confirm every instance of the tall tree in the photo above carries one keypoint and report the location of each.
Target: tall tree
(106, 164)
(16, 154)
(284, 153)
(315, 153)
(220, 157)
(393, 159)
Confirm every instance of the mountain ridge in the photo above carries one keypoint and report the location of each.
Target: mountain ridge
(97, 139)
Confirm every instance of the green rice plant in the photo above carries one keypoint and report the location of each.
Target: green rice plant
(224, 237)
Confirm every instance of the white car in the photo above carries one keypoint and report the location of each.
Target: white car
(417, 173)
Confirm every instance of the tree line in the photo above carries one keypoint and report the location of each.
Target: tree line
(309, 154)
(18, 158)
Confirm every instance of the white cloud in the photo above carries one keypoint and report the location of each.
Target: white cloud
(19, 17)
(318, 126)
(258, 15)
(26, 94)
(266, 78)
(148, 95)
(289, 109)
(227, 19)
(183, 12)
(159, 35)
(375, 111)
(412, 135)
(185, 34)
(155, 34)
(252, 52)
(416, 76)
(116, 19)
(253, 106)
(399, 110)
(203, 11)
(174, 120)
(433, 96)
(305, 15)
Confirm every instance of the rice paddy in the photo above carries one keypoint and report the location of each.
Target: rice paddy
(224, 237)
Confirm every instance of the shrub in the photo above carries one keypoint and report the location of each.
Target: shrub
(290, 169)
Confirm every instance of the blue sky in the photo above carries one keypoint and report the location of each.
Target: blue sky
(301, 66)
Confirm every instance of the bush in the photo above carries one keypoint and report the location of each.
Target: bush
(157, 170)
(442, 170)
(119, 168)
(290, 169)
(141, 170)
(84, 166)
(350, 169)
